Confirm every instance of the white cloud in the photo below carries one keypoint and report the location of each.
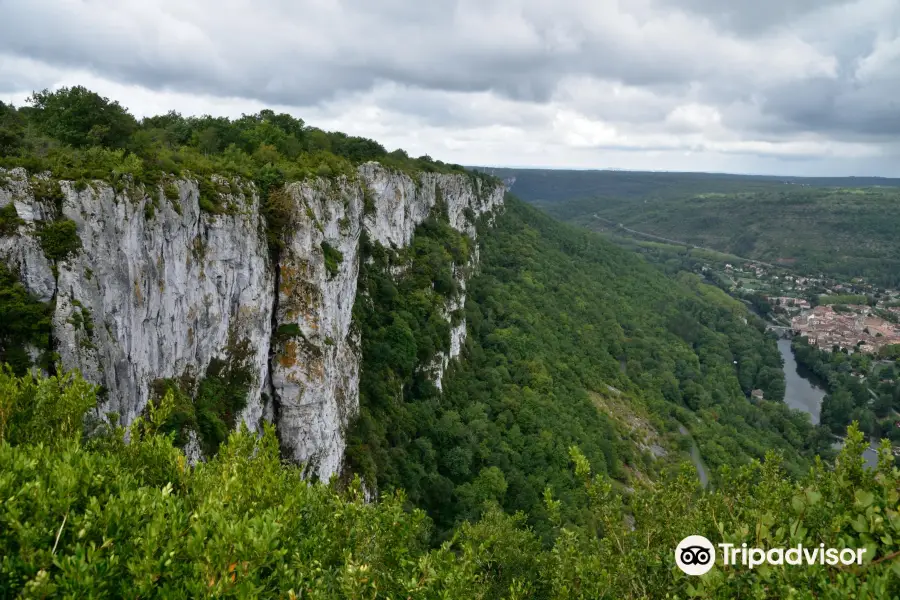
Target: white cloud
(787, 85)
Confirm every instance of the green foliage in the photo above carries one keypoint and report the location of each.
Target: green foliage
(867, 399)
(59, 239)
(279, 210)
(102, 517)
(115, 519)
(210, 200)
(368, 201)
(76, 134)
(48, 191)
(171, 191)
(48, 411)
(333, 258)
(834, 226)
(24, 323)
(211, 406)
(555, 316)
(843, 299)
(80, 117)
(9, 220)
(288, 330)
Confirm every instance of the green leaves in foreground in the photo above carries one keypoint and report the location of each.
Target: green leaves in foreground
(99, 517)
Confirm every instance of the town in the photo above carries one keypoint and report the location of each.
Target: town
(853, 327)
(852, 316)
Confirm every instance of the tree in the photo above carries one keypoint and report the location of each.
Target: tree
(80, 117)
(836, 410)
(11, 129)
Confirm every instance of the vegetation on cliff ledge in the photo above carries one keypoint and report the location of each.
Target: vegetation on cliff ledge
(76, 134)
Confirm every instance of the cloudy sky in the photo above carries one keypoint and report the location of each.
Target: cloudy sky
(805, 87)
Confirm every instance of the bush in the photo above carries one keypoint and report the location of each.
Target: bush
(24, 322)
(171, 191)
(96, 516)
(279, 210)
(9, 220)
(211, 406)
(59, 239)
(289, 330)
(333, 258)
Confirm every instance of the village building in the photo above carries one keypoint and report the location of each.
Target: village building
(855, 329)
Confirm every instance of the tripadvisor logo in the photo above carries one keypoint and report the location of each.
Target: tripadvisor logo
(696, 555)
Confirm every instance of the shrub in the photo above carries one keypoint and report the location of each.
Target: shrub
(171, 191)
(279, 209)
(59, 239)
(288, 330)
(24, 322)
(9, 220)
(208, 200)
(333, 258)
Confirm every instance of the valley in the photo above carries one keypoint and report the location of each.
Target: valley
(850, 319)
(837, 227)
(251, 358)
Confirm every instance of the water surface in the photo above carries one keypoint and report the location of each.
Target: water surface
(803, 393)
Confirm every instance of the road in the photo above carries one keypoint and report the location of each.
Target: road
(679, 242)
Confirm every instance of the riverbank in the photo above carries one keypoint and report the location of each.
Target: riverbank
(802, 392)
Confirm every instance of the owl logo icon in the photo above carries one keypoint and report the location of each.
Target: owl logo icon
(695, 555)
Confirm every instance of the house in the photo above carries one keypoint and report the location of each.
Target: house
(757, 395)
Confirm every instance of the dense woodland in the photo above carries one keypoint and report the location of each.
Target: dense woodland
(552, 464)
(834, 226)
(561, 324)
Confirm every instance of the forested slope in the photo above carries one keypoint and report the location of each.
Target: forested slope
(98, 517)
(844, 227)
(571, 341)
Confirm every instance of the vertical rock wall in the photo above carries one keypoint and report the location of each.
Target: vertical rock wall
(161, 288)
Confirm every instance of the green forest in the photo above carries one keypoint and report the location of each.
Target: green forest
(553, 462)
(836, 226)
(569, 337)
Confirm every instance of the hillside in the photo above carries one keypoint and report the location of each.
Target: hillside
(248, 358)
(838, 226)
(571, 340)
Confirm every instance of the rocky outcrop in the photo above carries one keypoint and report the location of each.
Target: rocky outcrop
(157, 290)
(315, 374)
(161, 288)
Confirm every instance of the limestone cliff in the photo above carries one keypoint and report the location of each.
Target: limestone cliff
(161, 290)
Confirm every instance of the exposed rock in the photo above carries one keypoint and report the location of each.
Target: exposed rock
(315, 374)
(160, 288)
(158, 291)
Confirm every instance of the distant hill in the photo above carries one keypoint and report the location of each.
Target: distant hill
(551, 185)
(843, 226)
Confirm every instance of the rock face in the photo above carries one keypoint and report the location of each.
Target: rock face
(160, 288)
(157, 291)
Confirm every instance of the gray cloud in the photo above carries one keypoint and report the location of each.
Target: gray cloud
(752, 18)
(778, 78)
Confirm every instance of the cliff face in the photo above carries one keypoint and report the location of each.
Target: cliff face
(161, 290)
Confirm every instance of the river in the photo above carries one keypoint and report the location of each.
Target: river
(804, 394)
